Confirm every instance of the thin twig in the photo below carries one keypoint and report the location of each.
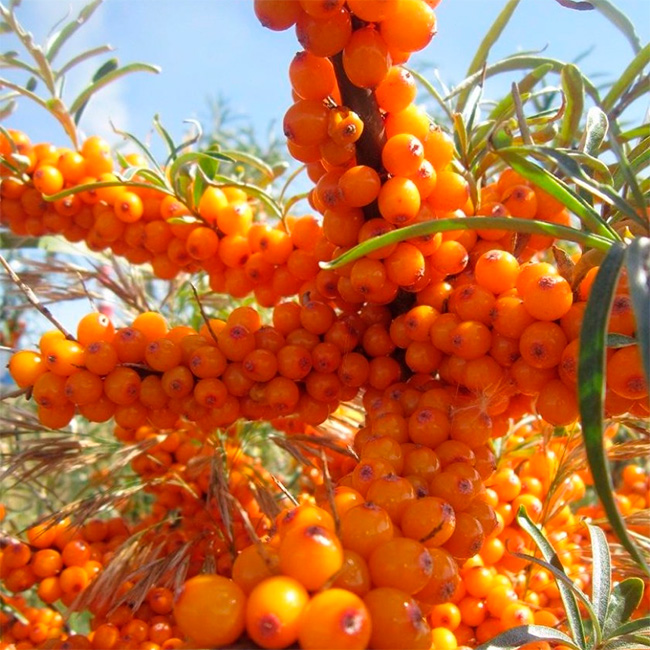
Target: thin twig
(33, 299)
(204, 316)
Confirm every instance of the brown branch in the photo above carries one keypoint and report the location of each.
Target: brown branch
(363, 102)
(33, 299)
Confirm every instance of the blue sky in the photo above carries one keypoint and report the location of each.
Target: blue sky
(212, 48)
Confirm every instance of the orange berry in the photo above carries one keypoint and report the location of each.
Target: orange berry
(335, 618)
(210, 610)
(311, 554)
(274, 610)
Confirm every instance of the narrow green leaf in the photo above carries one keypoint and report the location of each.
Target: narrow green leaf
(574, 94)
(505, 107)
(490, 223)
(517, 62)
(626, 79)
(8, 109)
(517, 636)
(106, 68)
(640, 625)
(577, 175)
(557, 189)
(93, 186)
(429, 87)
(143, 148)
(490, 38)
(166, 138)
(625, 170)
(574, 621)
(193, 158)
(249, 159)
(638, 272)
(642, 131)
(207, 169)
(619, 20)
(4, 28)
(591, 390)
(62, 36)
(639, 160)
(80, 58)
(252, 190)
(601, 572)
(628, 642)
(89, 91)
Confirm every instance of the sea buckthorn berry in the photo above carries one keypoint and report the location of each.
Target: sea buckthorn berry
(312, 77)
(122, 386)
(210, 610)
(625, 374)
(83, 387)
(405, 265)
(396, 91)
(274, 610)
(202, 243)
(497, 271)
(277, 15)
(130, 345)
(429, 520)
(100, 358)
(49, 390)
(64, 357)
(366, 59)
(94, 327)
(335, 618)
(397, 621)
(311, 554)
(399, 200)
(450, 258)
(467, 538)
(359, 185)
(25, 367)
(542, 343)
(253, 565)
(393, 493)
(48, 179)
(344, 126)
(548, 297)
(402, 563)
(306, 122)
(373, 11)
(402, 155)
(128, 206)
(520, 201)
(364, 527)
(451, 193)
(324, 36)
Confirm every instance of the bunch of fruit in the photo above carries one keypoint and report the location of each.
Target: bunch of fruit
(456, 343)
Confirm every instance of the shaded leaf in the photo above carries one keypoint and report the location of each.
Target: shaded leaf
(577, 175)
(64, 34)
(638, 271)
(591, 390)
(79, 58)
(595, 130)
(89, 91)
(626, 79)
(515, 157)
(601, 573)
(640, 625)
(516, 637)
(574, 621)
(574, 93)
